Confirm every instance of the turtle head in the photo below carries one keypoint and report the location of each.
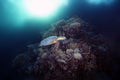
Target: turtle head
(61, 38)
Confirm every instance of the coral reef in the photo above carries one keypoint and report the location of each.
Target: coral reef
(79, 56)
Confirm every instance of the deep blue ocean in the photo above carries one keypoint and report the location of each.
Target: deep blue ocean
(104, 18)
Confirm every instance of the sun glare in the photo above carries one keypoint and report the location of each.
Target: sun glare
(41, 8)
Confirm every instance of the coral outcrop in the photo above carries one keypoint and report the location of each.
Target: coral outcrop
(81, 55)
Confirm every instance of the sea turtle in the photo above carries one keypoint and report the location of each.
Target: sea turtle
(51, 40)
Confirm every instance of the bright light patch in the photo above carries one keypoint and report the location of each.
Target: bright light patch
(20, 11)
(39, 8)
(42, 8)
(100, 1)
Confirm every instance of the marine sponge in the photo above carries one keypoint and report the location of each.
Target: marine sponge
(69, 51)
(77, 56)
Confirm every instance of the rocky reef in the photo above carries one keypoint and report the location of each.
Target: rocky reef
(81, 56)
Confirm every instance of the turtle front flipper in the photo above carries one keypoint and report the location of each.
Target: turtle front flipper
(56, 46)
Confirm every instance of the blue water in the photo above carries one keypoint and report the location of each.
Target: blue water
(104, 18)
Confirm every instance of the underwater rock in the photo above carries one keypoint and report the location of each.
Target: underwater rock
(41, 51)
(23, 64)
(76, 50)
(86, 48)
(33, 48)
(75, 25)
(61, 60)
(72, 53)
(21, 60)
(73, 45)
(61, 23)
(44, 55)
(59, 52)
(58, 27)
